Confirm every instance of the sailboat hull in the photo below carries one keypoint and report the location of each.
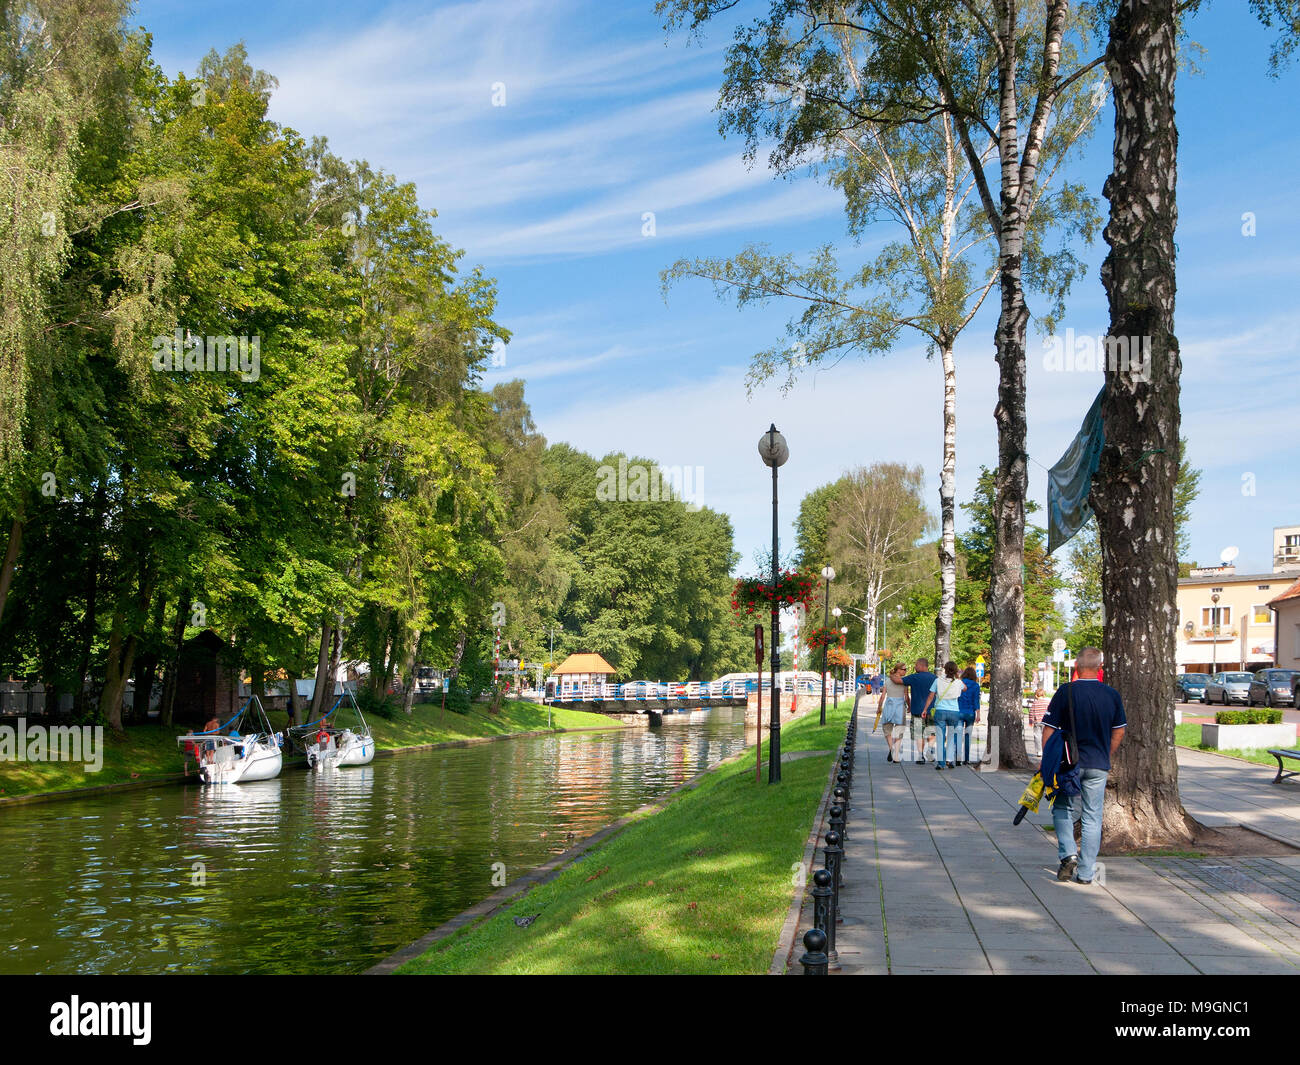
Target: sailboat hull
(260, 761)
(351, 749)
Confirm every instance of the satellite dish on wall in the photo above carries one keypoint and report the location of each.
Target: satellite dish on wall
(1228, 555)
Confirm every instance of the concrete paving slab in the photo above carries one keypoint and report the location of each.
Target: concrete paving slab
(936, 869)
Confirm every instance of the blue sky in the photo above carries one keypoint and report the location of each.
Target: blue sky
(605, 119)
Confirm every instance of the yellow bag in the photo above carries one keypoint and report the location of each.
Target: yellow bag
(1033, 794)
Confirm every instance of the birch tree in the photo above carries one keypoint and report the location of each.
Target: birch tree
(1012, 90)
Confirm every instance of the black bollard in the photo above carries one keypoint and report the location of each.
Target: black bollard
(843, 781)
(814, 960)
(834, 853)
(837, 821)
(821, 895)
(830, 914)
(841, 799)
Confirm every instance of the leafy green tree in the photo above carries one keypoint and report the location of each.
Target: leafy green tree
(59, 69)
(812, 526)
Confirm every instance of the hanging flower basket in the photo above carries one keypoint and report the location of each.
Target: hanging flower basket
(755, 593)
(838, 656)
(820, 637)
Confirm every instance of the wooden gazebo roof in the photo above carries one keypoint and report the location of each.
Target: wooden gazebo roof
(584, 663)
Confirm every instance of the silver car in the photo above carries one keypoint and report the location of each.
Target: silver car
(1228, 688)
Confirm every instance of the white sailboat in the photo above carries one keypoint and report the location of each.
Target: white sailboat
(329, 745)
(226, 756)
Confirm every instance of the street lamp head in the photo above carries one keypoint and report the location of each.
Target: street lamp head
(829, 573)
(836, 611)
(844, 630)
(772, 448)
(1214, 597)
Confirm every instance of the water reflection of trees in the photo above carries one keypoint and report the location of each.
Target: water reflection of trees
(318, 871)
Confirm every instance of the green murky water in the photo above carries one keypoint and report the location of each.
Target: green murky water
(318, 872)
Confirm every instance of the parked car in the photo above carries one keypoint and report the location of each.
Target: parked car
(1273, 687)
(1228, 688)
(1191, 687)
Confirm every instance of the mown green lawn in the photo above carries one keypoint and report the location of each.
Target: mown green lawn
(151, 751)
(701, 886)
(1189, 735)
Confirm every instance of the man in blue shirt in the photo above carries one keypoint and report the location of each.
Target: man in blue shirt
(918, 686)
(1099, 724)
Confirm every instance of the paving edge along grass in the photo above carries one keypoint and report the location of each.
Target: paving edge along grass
(699, 882)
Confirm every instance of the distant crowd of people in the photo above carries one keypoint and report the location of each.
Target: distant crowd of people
(1086, 712)
(950, 703)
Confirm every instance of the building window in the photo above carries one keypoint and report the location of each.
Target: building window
(1216, 615)
(1263, 587)
(1259, 614)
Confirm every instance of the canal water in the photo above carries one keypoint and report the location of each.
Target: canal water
(318, 872)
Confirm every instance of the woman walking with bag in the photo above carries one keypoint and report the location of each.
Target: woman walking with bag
(947, 715)
(891, 705)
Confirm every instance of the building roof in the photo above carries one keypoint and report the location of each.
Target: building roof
(584, 663)
(1235, 578)
(1291, 593)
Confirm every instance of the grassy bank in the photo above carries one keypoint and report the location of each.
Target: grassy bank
(701, 886)
(150, 751)
(1189, 735)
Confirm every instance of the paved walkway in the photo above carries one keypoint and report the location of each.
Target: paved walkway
(939, 880)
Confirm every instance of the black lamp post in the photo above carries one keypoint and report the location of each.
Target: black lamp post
(773, 450)
(1214, 640)
(829, 574)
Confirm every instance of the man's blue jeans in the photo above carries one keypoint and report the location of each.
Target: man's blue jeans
(1086, 807)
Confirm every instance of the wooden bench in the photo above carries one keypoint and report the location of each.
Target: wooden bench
(1282, 773)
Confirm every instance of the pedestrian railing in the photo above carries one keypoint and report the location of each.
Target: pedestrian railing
(819, 955)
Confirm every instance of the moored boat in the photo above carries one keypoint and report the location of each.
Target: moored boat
(329, 744)
(224, 755)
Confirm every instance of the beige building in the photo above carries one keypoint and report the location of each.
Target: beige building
(1226, 619)
(1286, 621)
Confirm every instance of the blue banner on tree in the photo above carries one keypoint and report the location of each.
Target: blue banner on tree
(1069, 481)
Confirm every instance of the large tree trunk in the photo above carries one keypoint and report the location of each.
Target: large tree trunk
(92, 600)
(1133, 490)
(322, 667)
(10, 562)
(947, 510)
(146, 669)
(293, 698)
(171, 679)
(121, 656)
(408, 673)
(1006, 594)
(336, 656)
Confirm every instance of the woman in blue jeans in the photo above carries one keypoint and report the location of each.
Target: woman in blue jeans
(969, 705)
(944, 693)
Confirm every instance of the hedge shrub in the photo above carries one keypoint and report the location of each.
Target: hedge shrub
(1262, 716)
